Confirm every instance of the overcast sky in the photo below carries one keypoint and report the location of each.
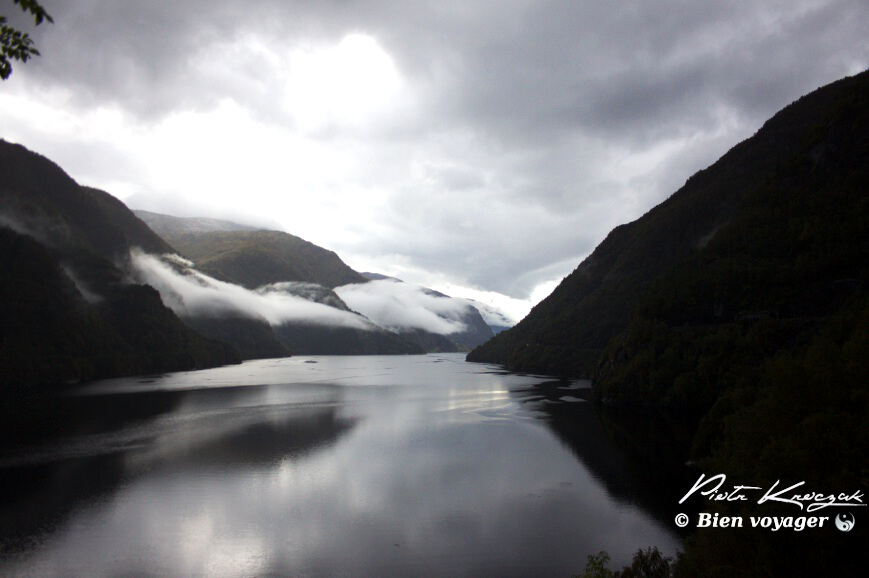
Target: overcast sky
(480, 148)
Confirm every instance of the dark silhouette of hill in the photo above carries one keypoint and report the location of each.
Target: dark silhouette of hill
(68, 310)
(740, 304)
(567, 332)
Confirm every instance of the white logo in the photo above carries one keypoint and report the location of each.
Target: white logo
(844, 523)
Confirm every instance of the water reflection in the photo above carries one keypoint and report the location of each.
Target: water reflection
(638, 455)
(353, 466)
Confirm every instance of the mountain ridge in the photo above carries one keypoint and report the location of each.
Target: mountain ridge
(265, 260)
(738, 309)
(69, 309)
(568, 331)
(250, 257)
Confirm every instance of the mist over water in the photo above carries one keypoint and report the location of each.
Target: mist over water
(384, 465)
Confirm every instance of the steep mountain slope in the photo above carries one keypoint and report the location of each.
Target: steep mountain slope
(568, 331)
(68, 311)
(39, 197)
(251, 258)
(755, 333)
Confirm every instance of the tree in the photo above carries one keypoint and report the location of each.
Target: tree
(17, 45)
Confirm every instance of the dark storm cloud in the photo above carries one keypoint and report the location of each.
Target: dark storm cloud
(516, 65)
(537, 125)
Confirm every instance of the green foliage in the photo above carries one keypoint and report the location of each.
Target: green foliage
(38, 12)
(17, 45)
(648, 563)
(596, 566)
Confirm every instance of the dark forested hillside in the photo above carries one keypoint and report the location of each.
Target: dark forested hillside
(568, 332)
(67, 310)
(38, 197)
(741, 304)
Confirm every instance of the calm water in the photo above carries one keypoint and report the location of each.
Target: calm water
(361, 466)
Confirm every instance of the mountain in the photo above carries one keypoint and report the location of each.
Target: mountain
(68, 310)
(250, 258)
(568, 331)
(273, 262)
(270, 261)
(493, 317)
(432, 320)
(310, 339)
(478, 328)
(740, 306)
(165, 225)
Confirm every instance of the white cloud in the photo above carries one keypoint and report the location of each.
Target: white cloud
(190, 293)
(351, 84)
(485, 146)
(401, 306)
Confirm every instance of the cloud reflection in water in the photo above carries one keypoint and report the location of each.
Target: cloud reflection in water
(383, 465)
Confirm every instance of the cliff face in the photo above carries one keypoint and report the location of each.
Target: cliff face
(68, 310)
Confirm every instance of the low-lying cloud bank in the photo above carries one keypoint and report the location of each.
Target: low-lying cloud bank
(493, 316)
(380, 304)
(190, 293)
(400, 306)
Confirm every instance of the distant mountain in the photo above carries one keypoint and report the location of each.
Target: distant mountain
(68, 310)
(309, 339)
(476, 331)
(270, 260)
(273, 262)
(271, 321)
(377, 276)
(493, 317)
(250, 258)
(432, 320)
(741, 306)
(477, 317)
(167, 225)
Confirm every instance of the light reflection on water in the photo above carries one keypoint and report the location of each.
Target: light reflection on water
(420, 465)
